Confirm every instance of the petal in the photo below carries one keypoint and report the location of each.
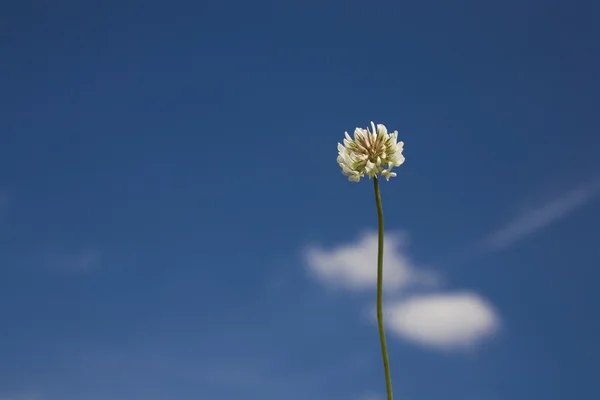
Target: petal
(371, 168)
(381, 129)
(359, 133)
(373, 134)
(348, 159)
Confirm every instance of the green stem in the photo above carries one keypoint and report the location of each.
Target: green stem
(384, 353)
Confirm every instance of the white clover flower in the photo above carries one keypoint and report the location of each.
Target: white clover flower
(371, 153)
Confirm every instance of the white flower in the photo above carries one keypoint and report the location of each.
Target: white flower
(371, 153)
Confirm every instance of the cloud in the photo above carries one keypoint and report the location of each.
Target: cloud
(443, 321)
(353, 266)
(548, 213)
(83, 260)
(440, 321)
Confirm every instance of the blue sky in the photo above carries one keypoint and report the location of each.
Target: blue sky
(173, 224)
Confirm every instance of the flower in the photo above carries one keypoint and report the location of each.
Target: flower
(370, 152)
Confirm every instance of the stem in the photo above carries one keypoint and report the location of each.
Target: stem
(384, 353)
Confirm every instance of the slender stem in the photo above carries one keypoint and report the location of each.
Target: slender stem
(384, 353)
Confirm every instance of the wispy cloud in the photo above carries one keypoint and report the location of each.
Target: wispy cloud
(83, 260)
(526, 224)
(546, 214)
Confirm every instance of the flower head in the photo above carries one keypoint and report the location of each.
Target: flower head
(370, 152)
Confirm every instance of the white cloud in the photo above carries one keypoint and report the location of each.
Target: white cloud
(437, 320)
(548, 213)
(353, 266)
(443, 321)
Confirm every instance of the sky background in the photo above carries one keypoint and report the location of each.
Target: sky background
(173, 223)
